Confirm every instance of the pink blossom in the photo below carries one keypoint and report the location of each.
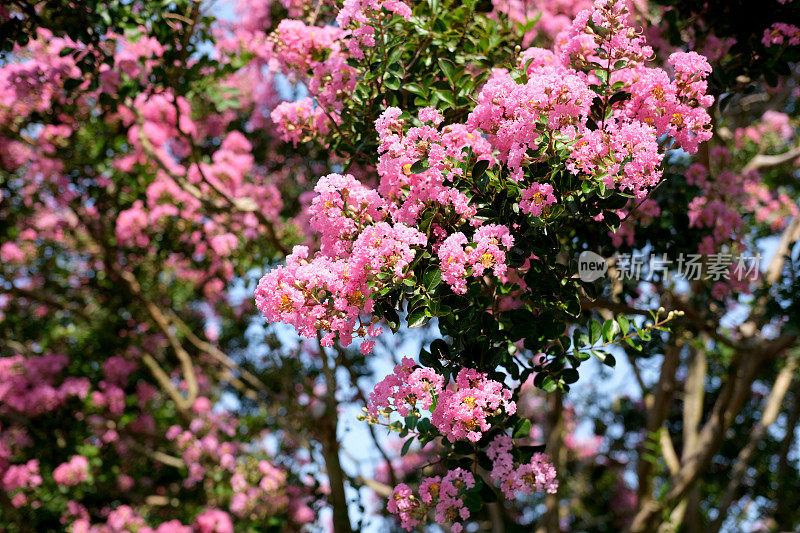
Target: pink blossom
(213, 521)
(300, 121)
(535, 476)
(780, 33)
(407, 389)
(442, 495)
(73, 472)
(463, 413)
(536, 198)
(11, 253)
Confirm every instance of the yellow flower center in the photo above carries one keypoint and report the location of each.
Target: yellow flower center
(658, 92)
(286, 303)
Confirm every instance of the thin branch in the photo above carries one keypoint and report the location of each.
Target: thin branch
(761, 160)
(381, 489)
(163, 324)
(166, 384)
(244, 205)
(216, 353)
(668, 450)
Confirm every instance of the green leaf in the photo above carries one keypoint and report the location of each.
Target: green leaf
(415, 88)
(487, 494)
(392, 82)
(463, 448)
(417, 317)
(406, 446)
(609, 330)
(605, 358)
(633, 344)
(446, 96)
(440, 349)
(392, 318)
(595, 331)
(396, 69)
(450, 70)
(424, 425)
(548, 384)
(569, 375)
(426, 358)
(619, 97)
(420, 166)
(479, 169)
(432, 279)
(522, 429)
(473, 501)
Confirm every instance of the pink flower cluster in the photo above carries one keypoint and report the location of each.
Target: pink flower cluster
(122, 519)
(725, 194)
(462, 413)
(459, 413)
(515, 116)
(554, 16)
(615, 41)
(34, 85)
(458, 261)
(11, 253)
(442, 494)
(341, 209)
(28, 385)
(624, 155)
(19, 478)
(75, 471)
(331, 293)
(357, 14)
(210, 452)
(409, 192)
(206, 447)
(183, 189)
(361, 250)
(551, 109)
(536, 198)
(537, 475)
(407, 389)
(781, 33)
(774, 128)
(300, 121)
(213, 521)
(249, 498)
(673, 107)
(315, 56)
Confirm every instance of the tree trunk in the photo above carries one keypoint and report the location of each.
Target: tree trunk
(330, 451)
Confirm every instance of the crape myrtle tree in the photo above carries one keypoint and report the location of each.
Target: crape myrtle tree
(180, 194)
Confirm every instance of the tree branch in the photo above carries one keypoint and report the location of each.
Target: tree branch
(771, 410)
(761, 160)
